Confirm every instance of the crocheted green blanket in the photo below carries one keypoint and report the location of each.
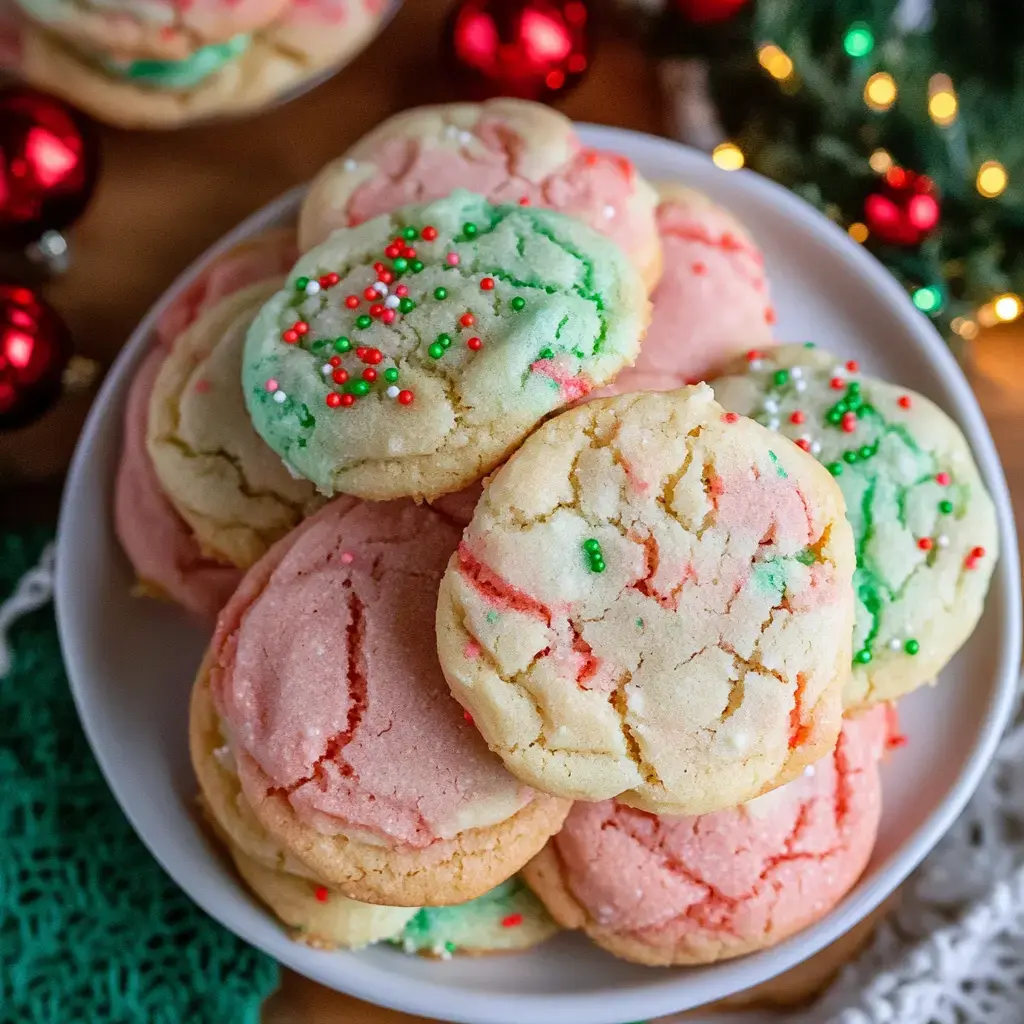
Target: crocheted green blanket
(91, 929)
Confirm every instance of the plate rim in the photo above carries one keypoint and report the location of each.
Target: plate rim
(665, 993)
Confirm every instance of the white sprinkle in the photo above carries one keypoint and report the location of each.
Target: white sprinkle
(942, 540)
(313, 288)
(737, 740)
(280, 397)
(392, 302)
(313, 731)
(609, 211)
(838, 371)
(796, 372)
(451, 131)
(755, 364)
(350, 164)
(392, 392)
(773, 423)
(809, 771)
(327, 369)
(380, 288)
(442, 951)
(895, 644)
(225, 758)
(771, 405)
(800, 385)
(465, 138)
(815, 447)
(636, 702)
(561, 730)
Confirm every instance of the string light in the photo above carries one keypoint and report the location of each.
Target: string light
(880, 161)
(728, 156)
(859, 40)
(880, 91)
(858, 231)
(1007, 307)
(966, 328)
(928, 298)
(942, 101)
(987, 315)
(775, 62)
(992, 179)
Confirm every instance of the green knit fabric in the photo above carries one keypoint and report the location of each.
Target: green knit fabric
(91, 929)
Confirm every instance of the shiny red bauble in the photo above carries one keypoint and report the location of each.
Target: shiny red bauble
(905, 210)
(531, 49)
(49, 158)
(35, 346)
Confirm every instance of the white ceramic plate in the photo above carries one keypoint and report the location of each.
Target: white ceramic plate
(131, 662)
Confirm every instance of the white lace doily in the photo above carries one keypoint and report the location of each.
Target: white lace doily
(953, 951)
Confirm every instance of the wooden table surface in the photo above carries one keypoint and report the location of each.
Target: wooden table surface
(163, 198)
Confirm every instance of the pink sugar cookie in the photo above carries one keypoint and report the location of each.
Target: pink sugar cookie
(350, 748)
(165, 555)
(506, 150)
(712, 302)
(691, 890)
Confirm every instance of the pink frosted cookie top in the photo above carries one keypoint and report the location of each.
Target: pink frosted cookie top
(745, 877)
(327, 677)
(711, 303)
(159, 544)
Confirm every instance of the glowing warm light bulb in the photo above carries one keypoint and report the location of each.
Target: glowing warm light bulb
(965, 327)
(1007, 307)
(775, 61)
(880, 91)
(942, 101)
(880, 161)
(992, 179)
(728, 156)
(858, 231)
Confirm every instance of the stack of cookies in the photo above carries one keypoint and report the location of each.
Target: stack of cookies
(162, 63)
(519, 625)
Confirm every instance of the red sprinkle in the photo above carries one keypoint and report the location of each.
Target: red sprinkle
(325, 281)
(486, 284)
(401, 291)
(853, 366)
(352, 301)
(399, 241)
(978, 552)
(334, 399)
(512, 921)
(700, 269)
(290, 336)
(467, 319)
(405, 398)
(387, 277)
(361, 352)
(409, 252)
(925, 543)
(373, 355)
(347, 400)
(392, 252)
(753, 354)
(429, 233)
(370, 294)
(903, 401)
(837, 383)
(769, 315)
(474, 344)
(797, 417)
(802, 442)
(335, 360)
(370, 374)
(321, 893)
(379, 267)
(849, 422)
(730, 417)
(388, 316)
(300, 327)
(339, 376)
(942, 479)
(468, 717)
(376, 309)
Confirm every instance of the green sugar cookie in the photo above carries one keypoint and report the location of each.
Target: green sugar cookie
(410, 355)
(924, 525)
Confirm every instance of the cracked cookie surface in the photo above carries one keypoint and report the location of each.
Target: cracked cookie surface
(653, 601)
(511, 151)
(387, 375)
(350, 750)
(712, 301)
(691, 890)
(232, 490)
(924, 525)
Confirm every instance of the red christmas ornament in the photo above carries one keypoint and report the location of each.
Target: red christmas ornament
(707, 12)
(905, 210)
(532, 49)
(49, 158)
(35, 346)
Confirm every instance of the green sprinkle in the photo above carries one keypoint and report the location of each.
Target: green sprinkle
(809, 344)
(945, 507)
(450, 947)
(306, 418)
(835, 468)
(593, 546)
(406, 305)
(592, 550)
(319, 343)
(342, 344)
(361, 388)
(841, 407)
(639, 623)
(866, 452)
(834, 416)
(850, 456)
(597, 565)
(492, 617)
(364, 321)
(445, 340)
(862, 657)
(391, 374)
(545, 353)
(854, 386)
(300, 283)
(417, 266)
(579, 353)
(518, 303)
(865, 410)
(436, 350)
(410, 233)
(440, 293)
(911, 647)
(780, 377)
(401, 264)
(469, 230)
